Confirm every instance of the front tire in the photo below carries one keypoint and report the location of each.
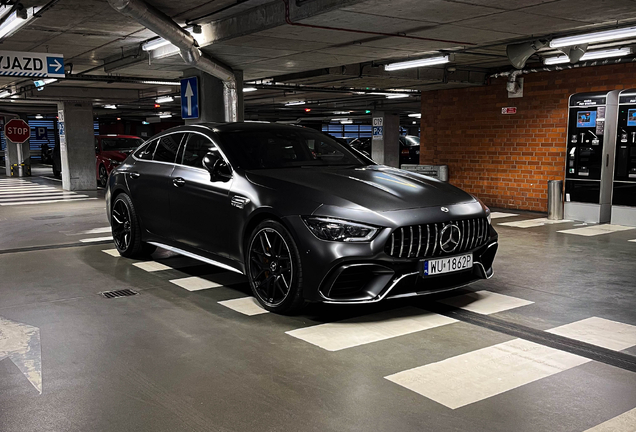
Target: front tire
(127, 230)
(274, 269)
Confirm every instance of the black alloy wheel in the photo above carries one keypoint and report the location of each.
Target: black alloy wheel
(103, 176)
(273, 268)
(126, 229)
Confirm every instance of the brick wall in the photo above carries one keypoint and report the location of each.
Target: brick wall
(506, 160)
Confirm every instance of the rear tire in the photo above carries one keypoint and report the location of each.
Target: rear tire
(127, 230)
(274, 268)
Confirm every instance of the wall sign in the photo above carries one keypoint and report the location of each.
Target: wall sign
(509, 110)
(378, 128)
(16, 63)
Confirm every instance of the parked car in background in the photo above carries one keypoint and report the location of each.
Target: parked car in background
(409, 148)
(303, 217)
(110, 151)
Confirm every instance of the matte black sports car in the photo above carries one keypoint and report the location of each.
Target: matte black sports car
(304, 218)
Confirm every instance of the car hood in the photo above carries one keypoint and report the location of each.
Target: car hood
(375, 187)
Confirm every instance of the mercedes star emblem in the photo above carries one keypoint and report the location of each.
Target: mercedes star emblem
(450, 238)
(445, 209)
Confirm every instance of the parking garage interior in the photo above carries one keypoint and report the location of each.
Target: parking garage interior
(528, 106)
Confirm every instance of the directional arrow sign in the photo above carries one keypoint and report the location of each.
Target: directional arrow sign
(31, 64)
(190, 98)
(21, 344)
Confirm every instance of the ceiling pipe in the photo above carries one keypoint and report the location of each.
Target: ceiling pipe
(158, 22)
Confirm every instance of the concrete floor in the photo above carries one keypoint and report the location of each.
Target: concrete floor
(171, 359)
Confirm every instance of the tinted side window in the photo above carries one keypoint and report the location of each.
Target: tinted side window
(146, 151)
(167, 148)
(196, 147)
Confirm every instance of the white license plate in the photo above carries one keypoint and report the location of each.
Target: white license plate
(447, 265)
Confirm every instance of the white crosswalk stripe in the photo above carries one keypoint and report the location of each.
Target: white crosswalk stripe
(485, 302)
(96, 239)
(151, 266)
(21, 192)
(500, 215)
(216, 280)
(112, 252)
(481, 374)
(532, 223)
(595, 230)
(625, 422)
(246, 305)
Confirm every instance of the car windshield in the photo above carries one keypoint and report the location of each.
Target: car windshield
(412, 141)
(119, 143)
(285, 148)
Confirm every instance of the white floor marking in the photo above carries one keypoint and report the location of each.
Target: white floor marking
(112, 252)
(601, 332)
(481, 374)
(151, 266)
(485, 302)
(98, 230)
(633, 241)
(15, 189)
(194, 283)
(34, 194)
(47, 202)
(245, 305)
(227, 278)
(499, 215)
(46, 197)
(96, 239)
(595, 230)
(477, 375)
(21, 344)
(52, 178)
(625, 422)
(370, 328)
(532, 223)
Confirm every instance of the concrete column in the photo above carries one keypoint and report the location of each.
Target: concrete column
(211, 102)
(385, 148)
(77, 145)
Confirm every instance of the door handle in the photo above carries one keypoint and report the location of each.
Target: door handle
(178, 182)
(135, 175)
(606, 160)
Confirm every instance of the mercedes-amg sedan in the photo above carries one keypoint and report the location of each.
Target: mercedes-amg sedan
(305, 218)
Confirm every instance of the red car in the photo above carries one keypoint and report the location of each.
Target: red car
(110, 151)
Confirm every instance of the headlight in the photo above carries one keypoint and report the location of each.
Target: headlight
(339, 230)
(486, 209)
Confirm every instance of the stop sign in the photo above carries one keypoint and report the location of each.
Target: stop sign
(17, 131)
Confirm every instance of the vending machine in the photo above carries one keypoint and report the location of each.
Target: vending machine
(624, 187)
(589, 164)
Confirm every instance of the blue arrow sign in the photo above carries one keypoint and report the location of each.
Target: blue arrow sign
(190, 98)
(55, 66)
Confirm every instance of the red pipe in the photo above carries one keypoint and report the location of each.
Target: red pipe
(290, 22)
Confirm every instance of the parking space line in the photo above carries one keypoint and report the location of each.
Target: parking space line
(532, 223)
(485, 302)
(195, 283)
(370, 328)
(151, 266)
(622, 423)
(600, 332)
(595, 230)
(112, 252)
(46, 202)
(481, 374)
(96, 239)
(51, 196)
(500, 215)
(246, 305)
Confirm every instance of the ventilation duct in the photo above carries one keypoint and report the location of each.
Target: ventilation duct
(162, 25)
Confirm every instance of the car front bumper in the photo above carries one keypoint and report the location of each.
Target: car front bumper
(348, 273)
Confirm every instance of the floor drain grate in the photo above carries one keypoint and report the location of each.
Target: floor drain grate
(119, 293)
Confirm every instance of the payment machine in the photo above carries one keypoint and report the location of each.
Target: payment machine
(624, 187)
(590, 156)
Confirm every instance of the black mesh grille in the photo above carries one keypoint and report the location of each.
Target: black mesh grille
(423, 241)
(351, 281)
(119, 293)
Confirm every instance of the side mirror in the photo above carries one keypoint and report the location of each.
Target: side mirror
(216, 166)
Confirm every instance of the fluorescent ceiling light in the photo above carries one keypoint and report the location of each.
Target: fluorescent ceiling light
(417, 115)
(342, 112)
(346, 121)
(110, 106)
(157, 82)
(165, 115)
(249, 89)
(154, 44)
(295, 103)
(164, 99)
(15, 22)
(391, 95)
(590, 55)
(431, 61)
(593, 37)
(39, 116)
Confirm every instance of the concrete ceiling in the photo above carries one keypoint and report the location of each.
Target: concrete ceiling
(256, 37)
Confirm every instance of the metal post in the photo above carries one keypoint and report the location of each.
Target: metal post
(555, 199)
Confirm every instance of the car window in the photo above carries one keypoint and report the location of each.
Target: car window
(195, 148)
(167, 148)
(146, 151)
